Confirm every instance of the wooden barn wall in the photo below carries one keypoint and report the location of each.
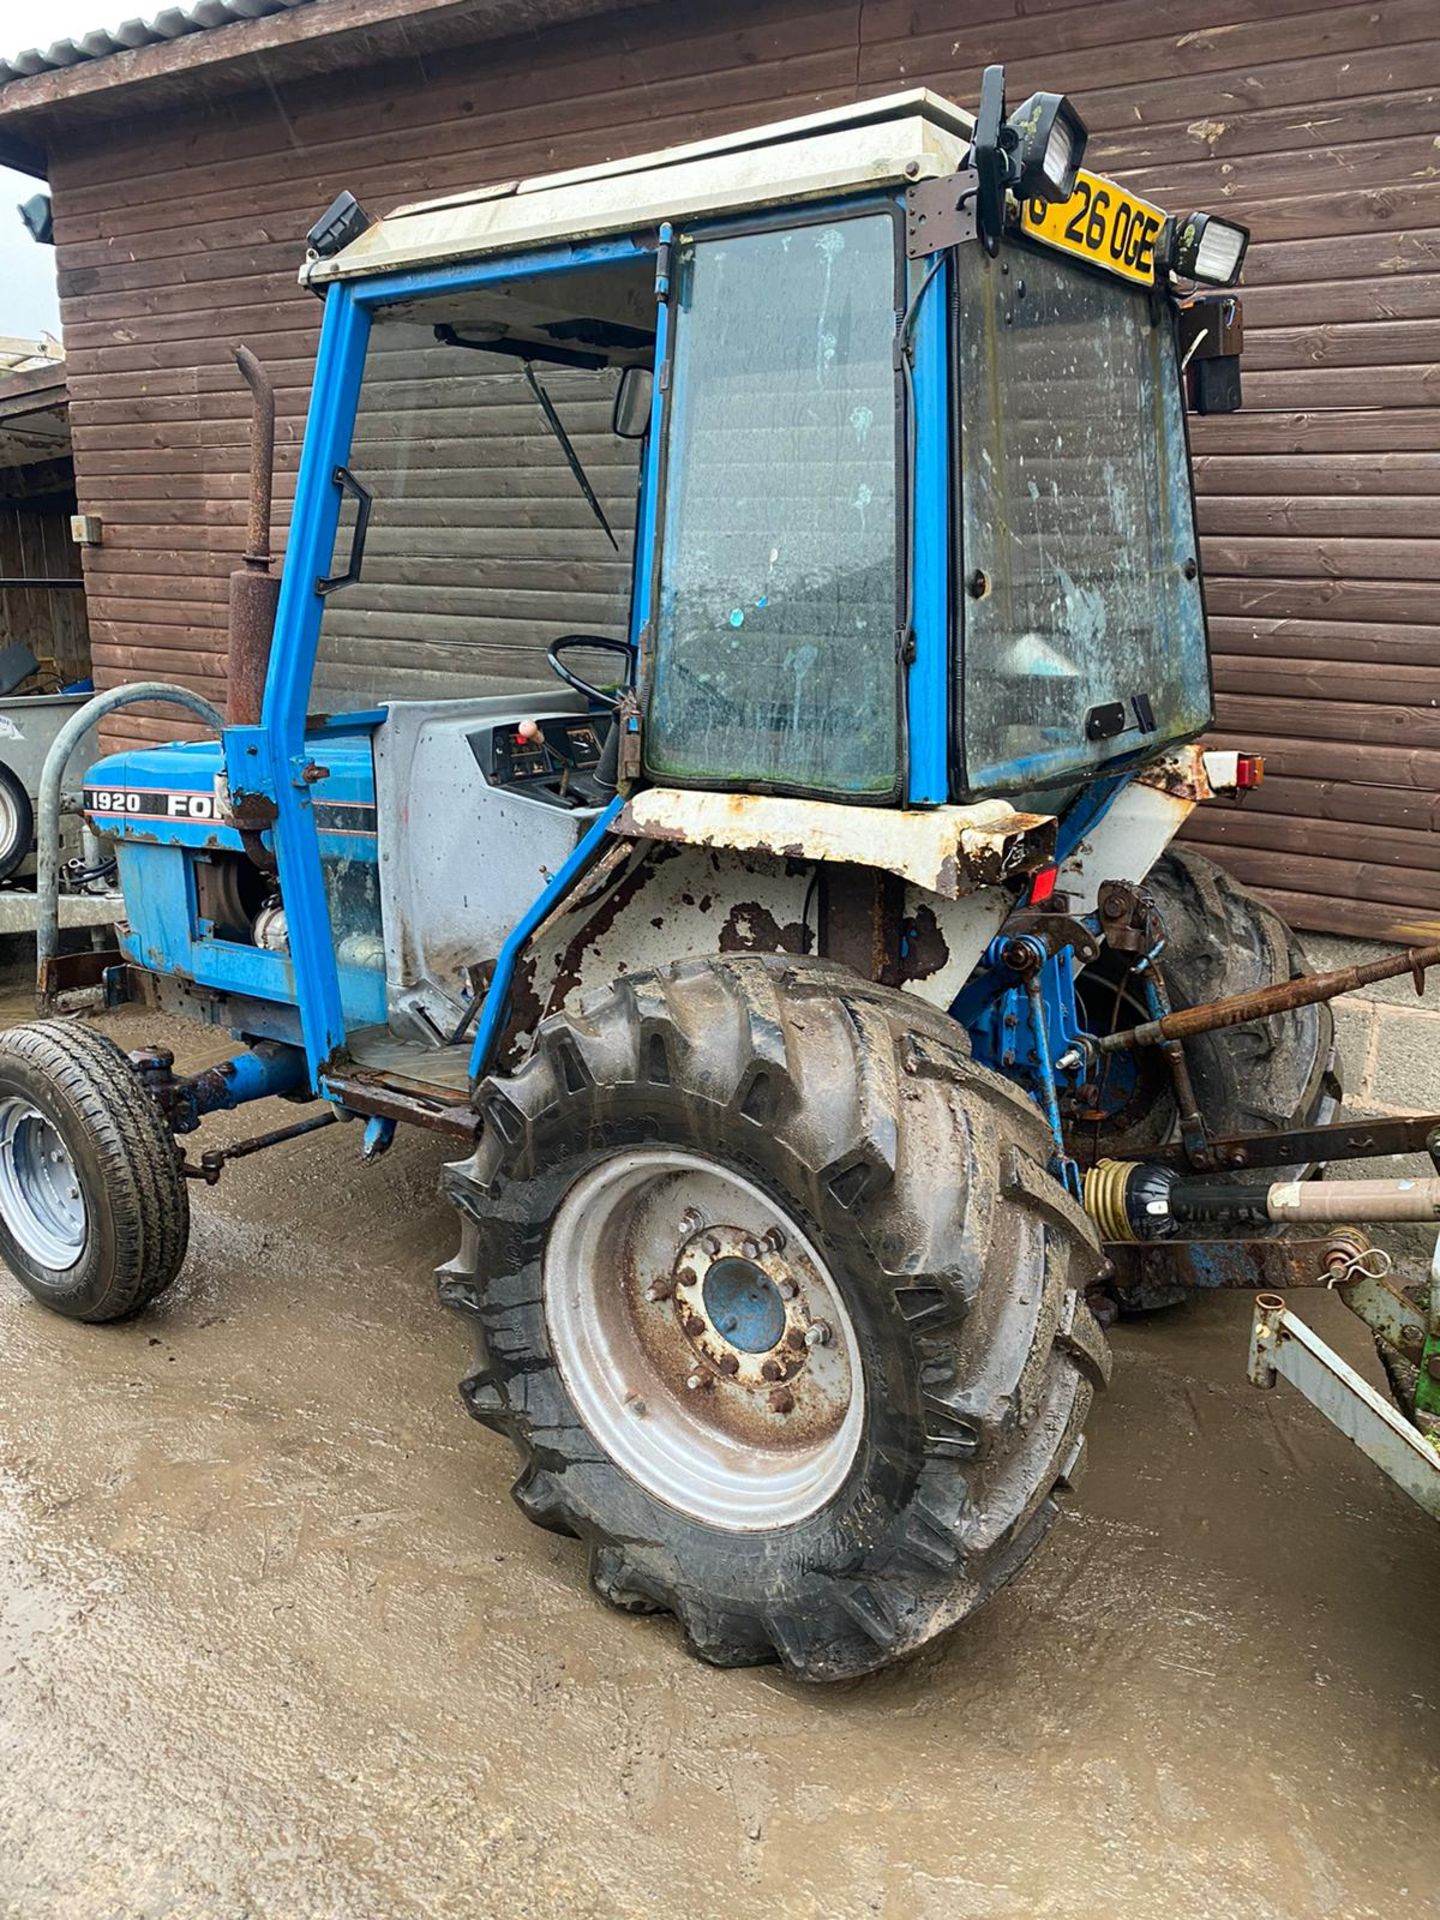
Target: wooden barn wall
(1319, 124)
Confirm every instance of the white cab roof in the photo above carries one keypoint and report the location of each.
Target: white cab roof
(877, 143)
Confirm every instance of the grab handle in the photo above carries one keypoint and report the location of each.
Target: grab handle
(362, 497)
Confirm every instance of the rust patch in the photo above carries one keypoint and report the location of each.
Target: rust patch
(926, 948)
(1181, 775)
(751, 928)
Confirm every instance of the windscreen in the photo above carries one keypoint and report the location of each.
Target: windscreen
(775, 640)
(1079, 588)
(481, 547)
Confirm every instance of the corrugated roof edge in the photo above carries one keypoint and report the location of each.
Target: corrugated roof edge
(169, 24)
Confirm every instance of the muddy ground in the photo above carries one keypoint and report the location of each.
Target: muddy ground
(274, 1641)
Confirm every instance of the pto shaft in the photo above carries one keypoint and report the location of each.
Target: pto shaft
(1133, 1200)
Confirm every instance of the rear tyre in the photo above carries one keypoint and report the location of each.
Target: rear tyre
(17, 822)
(1270, 1076)
(1267, 1076)
(94, 1214)
(686, 1177)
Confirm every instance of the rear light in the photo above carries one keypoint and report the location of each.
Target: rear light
(1234, 772)
(1042, 888)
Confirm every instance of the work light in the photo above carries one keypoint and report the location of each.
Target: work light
(1204, 247)
(1050, 142)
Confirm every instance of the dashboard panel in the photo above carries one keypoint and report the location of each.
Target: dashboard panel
(552, 760)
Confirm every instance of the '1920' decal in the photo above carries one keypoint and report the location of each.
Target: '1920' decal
(151, 802)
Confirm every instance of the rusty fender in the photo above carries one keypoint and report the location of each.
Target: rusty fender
(949, 851)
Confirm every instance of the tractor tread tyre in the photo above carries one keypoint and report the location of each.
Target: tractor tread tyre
(1269, 1075)
(127, 1161)
(922, 1177)
(1223, 940)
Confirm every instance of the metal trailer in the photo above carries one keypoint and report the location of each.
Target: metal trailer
(823, 1020)
(29, 726)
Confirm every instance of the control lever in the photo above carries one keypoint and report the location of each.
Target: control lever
(606, 771)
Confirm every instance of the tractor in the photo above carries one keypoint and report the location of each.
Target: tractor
(786, 931)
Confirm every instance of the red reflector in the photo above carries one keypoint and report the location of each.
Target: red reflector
(1249, 769)
(1043, 886)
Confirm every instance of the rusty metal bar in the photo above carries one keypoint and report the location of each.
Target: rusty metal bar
(1265, 1002)
(1246, 1266)
(371, 1098)
(214, 1159)
(1306, 1146)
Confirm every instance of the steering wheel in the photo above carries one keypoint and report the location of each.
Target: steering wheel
(554, 652)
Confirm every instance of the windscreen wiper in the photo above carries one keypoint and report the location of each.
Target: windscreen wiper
(572, 459)
(526, 351)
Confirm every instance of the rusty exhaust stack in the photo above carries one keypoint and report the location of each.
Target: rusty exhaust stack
(254, 589)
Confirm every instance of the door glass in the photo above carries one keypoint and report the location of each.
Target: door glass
(775, 646)
(1078, 521)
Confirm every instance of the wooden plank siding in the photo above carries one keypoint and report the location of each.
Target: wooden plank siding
(179, 233)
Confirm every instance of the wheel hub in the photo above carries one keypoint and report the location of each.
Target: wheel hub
(702, 1339)
(40, 1197)
(748, 1314)
(743, 1305)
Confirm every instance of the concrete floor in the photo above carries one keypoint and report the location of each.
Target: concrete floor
(274, 1641)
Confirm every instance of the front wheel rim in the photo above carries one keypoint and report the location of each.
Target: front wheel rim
(703, 1341)
(41, 1199)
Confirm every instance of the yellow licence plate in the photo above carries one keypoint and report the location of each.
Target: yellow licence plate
(1102, 223)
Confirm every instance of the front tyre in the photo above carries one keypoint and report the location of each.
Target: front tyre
(780, 1307)
(94, 1214)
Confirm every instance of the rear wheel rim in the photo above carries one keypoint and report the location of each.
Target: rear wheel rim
(703, 1340)
(41, 1199)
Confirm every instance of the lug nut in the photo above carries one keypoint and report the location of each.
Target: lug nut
(750, 1249)
(729, 1363)
(698, 1380)
(771, 1370)
(711, 1244)
(818, 1334)
(782, 1400)
(774, 1241)
(795, 1339)
(634, 1404)
(786, 1289)
(694, 1325)
(661, 1289)
(691, 1221)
